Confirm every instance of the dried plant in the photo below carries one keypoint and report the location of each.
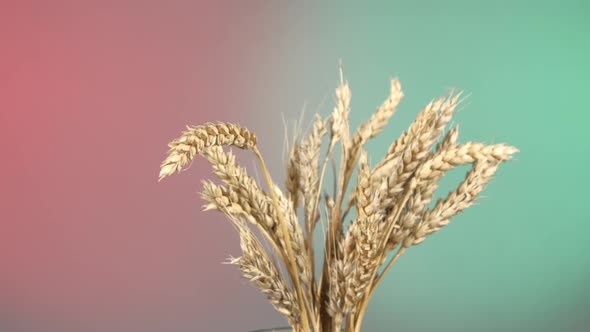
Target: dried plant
(391, 201)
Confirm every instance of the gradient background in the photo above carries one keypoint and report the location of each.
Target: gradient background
(92, 91)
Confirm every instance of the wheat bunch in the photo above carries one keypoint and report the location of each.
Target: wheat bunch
(391, 201)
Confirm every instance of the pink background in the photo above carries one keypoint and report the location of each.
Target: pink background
(90, 94)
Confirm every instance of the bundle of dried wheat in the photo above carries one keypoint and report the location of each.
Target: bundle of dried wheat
(391, 201)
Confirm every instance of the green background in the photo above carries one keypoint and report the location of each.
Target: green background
(519, 260)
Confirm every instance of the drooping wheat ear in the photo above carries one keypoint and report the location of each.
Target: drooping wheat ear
(309, 168)
(224, 199)
(433, 169)
(422, 195)
(197, 138)
(444, 160)
(458, 200)
(257, 267)
(460, 155)
(374, 125)
(228, 200)
(257, 207)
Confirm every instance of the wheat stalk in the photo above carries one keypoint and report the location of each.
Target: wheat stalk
(390, 201)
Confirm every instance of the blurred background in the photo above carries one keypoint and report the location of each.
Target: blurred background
(92, 91)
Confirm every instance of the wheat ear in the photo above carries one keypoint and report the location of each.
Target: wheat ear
(197, 138)
(485, 159)
(374, 125)
(417, 149)
(293, 183)
(422, 195)
(339, 132)
(257, 267)
(291, 261)
(342, 293)
(309, 164)
(368, 228)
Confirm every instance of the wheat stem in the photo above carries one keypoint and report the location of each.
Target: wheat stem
(393, 259)
(283, 224)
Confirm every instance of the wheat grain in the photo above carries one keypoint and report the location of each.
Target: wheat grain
(364, 197)
(293, 184)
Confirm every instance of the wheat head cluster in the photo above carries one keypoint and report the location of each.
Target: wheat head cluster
(387, 210)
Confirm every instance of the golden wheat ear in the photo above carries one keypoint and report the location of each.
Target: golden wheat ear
(309, 168)
(485, 160)
(200, 139)
(196, 139)
(258, 267)
(374, 125)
